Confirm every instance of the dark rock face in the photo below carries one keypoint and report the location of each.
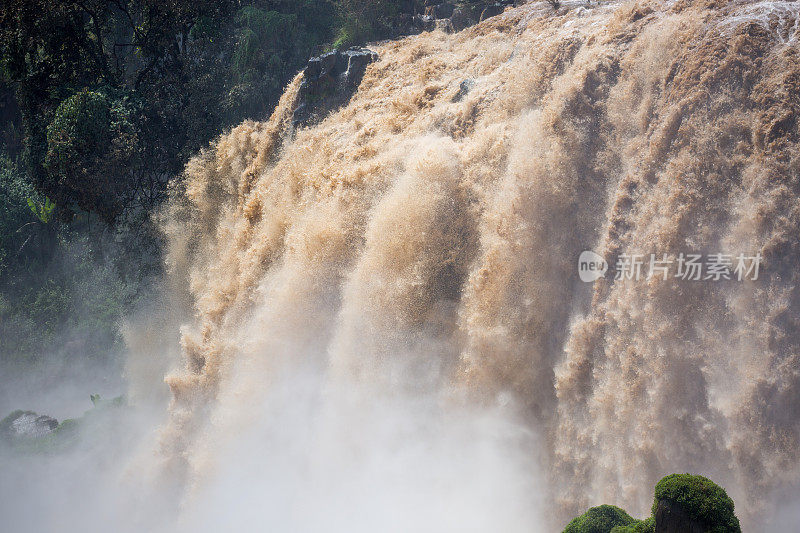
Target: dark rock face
(332, 78)
(672, 518)
(329, 82)
(463, 89)
(492, 11)
(440, 11)
(428, 15)
(412, 24)
(466, 15)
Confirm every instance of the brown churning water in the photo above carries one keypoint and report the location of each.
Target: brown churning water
(423, 243)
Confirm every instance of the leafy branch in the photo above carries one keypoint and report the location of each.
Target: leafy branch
(44, 212)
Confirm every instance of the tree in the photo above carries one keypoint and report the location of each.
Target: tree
(364, 20)
(164, 78)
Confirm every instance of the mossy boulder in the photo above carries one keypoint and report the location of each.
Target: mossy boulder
(685, 503)
(27, 432)
(601, 519)
(640, 526)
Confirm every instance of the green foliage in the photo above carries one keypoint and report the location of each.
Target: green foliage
(103, 103)
(640, 526)
(119, 95)
(118, 401)
(364, 20)
(702, 499)
(44, 212)
(80, 128)
(61, 298)
(260, 35)
(601, 519)
(90, 142)
(62, 307)
(16, 218)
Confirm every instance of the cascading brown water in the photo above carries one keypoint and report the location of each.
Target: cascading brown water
(423, 242)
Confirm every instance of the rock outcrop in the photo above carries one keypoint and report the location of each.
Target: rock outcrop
(26, 425)
(683, 503)
(429, 15)
(693, 504)
(27, 432)
(331, 78)
(329, 82)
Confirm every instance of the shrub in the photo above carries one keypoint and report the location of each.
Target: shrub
(364, 20)
(601, 519)
(259, 37)
(640, 526)
(89, 143)
(16, 216)
(702, 499)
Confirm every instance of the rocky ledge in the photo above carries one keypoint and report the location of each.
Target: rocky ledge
(331, 79)
(26, 425)
(428, 15)
(27, 432)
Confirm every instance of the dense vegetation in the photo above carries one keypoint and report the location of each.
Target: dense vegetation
(702, 499)
(101, 104)
(682, 502)
(601, 519)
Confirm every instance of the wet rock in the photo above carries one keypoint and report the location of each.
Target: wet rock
(357, 61)
(329, 81)
(406, 6)
(428, 15)
(26, 432)
(323, 64)
(331, 78)
(26, 425)
(492, 11)
(404, 25)
(466, 15)
(445, 25)
(424, 23)
(463, 89)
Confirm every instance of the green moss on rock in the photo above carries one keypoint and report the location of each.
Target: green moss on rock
(701, 499)
(640, 526)
(682, 503)
(601, 519)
